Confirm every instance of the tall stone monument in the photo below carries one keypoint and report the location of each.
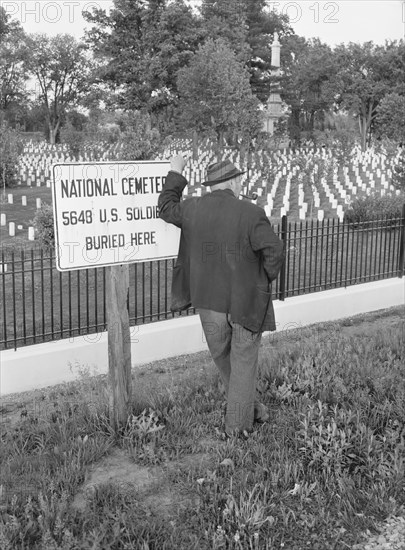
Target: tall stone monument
(273, 109)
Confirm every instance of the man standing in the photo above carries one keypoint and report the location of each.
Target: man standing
(228, 256)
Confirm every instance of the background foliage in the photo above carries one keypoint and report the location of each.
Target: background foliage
(143, 56)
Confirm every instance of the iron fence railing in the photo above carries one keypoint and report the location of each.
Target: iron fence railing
(40, 304)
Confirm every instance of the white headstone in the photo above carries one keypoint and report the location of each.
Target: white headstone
(10, 198)
(24, 200)
(31, 234)
(38, 201)
(11, 229)
(3, 219)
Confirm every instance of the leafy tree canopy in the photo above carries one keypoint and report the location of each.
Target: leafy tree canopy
(307, 67)
(141, 46)
(12, 75)
(59, 66)
(365, 74)
(390, 119)
(215, 92)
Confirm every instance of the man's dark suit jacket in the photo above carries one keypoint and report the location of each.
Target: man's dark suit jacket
(228, 254)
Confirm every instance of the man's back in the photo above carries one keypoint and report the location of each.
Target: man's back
(221, 253)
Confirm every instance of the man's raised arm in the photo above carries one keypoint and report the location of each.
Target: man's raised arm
(169, 199)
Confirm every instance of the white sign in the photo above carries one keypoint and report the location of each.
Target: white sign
(106, 213)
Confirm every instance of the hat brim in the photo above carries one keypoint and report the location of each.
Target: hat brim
(229, 176)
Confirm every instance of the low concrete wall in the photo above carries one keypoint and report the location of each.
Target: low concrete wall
(51, 363)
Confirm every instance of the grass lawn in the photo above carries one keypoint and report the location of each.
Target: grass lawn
(327, 466)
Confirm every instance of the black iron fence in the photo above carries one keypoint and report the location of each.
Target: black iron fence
(40, 304)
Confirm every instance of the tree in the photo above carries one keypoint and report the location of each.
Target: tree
(11, 147)
(365, 74)
(247, 28)
(13, 93)
(216, 94)
(137, 140)
(340, 136)
(60, 67)
(390, 119)
(140, 46)
(307, 67)
(262, 25)
(228, 21)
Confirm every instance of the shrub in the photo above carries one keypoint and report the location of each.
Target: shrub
(43, 224)
(137, 140)
(73, 139)
(398, 176)
(11, 147)
(373, 206)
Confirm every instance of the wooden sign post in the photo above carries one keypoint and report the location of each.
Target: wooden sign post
(119, 345)
(105, 214)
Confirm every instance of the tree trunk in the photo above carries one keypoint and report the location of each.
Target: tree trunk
(195, 145)
(52, 134)
(363, 132)
(294, 125)
(220, 144)
(244, 147)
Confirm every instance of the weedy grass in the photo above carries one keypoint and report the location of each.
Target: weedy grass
(327, 466)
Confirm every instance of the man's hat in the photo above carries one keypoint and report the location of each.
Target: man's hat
(221, 171)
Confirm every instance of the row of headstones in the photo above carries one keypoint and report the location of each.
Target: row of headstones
(60, 152)
(10, 200)
(285, 160)
(37, 159)
(12, 225)
(336, 199)
(194, 171)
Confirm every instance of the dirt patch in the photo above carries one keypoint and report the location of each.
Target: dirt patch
(120, 470)
(116, 468)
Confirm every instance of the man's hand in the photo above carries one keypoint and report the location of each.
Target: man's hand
(177, 164)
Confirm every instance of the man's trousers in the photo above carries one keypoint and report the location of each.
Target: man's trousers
(234, 350)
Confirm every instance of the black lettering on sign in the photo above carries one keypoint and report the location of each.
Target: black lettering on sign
(135, 186)
(79, 188)
(143, 237)
(140, 213)
(108, 216)
(100, 242)
(71, 217)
